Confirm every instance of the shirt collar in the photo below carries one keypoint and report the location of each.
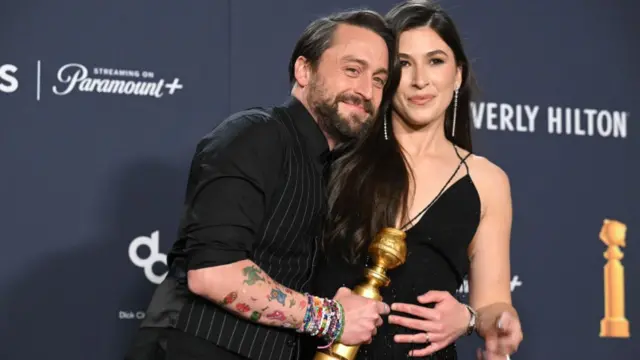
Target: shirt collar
(314, 138)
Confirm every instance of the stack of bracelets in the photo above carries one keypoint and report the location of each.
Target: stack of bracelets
(324, 318)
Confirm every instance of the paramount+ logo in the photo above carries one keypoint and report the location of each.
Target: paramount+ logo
(8, 78)
(75, 78)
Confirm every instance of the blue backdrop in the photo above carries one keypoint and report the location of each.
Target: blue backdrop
(102, 103)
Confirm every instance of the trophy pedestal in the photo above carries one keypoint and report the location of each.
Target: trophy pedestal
(614, 328)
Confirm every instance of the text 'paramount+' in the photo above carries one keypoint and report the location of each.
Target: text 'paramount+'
(76, 77)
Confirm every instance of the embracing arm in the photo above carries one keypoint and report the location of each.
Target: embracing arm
(232, 177)
(245, 290)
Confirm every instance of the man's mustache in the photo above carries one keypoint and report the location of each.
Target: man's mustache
(356, 100)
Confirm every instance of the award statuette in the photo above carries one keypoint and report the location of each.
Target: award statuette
(614, 324)
(388, 251)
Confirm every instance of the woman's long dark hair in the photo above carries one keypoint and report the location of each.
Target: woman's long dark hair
(369, 182)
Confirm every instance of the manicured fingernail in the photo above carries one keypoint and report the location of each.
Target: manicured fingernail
(500, 323)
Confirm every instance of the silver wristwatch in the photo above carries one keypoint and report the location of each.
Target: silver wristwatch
(472, 320)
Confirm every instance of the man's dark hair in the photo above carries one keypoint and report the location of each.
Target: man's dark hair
(318, 36)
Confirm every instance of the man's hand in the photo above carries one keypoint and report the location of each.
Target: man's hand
(362, 317)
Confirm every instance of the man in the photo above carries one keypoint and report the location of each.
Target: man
(255, 206)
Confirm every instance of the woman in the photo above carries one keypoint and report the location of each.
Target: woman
(415, 171)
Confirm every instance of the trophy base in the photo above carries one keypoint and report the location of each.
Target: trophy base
(324, 356)
(614, 328)
(337, 352)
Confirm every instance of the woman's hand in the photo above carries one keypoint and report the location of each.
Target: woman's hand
(487, 355)
(500, 327)
(438, 326)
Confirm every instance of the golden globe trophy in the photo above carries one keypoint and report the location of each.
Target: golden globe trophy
(614, 324)
(388, 251)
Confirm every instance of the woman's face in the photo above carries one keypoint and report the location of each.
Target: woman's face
(430, 76)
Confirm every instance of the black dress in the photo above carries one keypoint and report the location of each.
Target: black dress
(437, 259)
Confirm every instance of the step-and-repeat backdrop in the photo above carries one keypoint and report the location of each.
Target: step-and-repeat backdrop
(87, 171)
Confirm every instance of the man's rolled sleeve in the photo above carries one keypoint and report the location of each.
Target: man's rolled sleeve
(233, 176)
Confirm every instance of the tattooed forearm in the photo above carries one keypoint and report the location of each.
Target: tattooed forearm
(230, 298)
(277, 295)
(244, 289)
(252, 274)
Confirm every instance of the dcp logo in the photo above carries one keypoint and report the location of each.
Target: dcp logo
(153, 243)
(8, 80)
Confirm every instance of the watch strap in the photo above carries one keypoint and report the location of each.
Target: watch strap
(472, 320)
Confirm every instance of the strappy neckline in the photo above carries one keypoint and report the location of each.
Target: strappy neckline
(443, 190)
(417, 222)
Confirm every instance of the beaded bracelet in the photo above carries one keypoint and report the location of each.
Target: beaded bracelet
(324, 318)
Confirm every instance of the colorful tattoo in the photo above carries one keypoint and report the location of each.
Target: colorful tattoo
(242, 307)
(231, 297)
(277, 295)
(253, 275)
(302, 304)
(255, 316)
(292, 302)
(292, 321)
(277, 315)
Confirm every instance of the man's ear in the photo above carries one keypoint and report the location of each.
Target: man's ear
(302, 71)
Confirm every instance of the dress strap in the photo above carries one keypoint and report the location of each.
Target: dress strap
(463, 161)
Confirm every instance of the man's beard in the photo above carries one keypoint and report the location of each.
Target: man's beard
(337, 127)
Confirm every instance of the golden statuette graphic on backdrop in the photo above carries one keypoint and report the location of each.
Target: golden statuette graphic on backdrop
(614, 324)
(388, 251)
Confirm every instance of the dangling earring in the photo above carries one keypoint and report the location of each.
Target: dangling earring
(455, 111)
(386, 136)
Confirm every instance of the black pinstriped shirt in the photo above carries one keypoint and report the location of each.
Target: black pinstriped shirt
(255, 191)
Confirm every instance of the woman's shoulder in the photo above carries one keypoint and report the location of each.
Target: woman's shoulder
(486, 171)
(491, 181)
